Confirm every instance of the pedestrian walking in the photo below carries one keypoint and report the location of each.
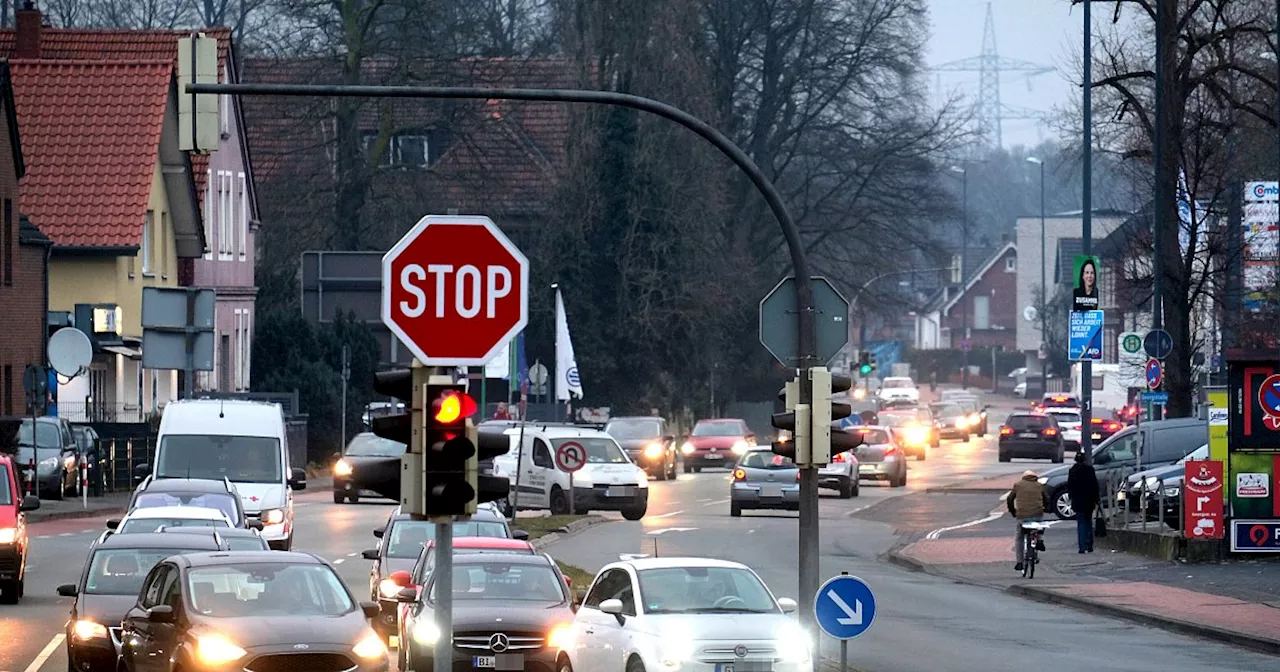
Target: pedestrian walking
(1082, 486)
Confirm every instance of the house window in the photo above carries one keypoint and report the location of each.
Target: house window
(981, 312)
(6, 235)
(224, 365)
(224, 213)
(148, 234)
(243, 229)
(412, 151)
(242, 355)
(224, 114)
(1010, 264)
(368, 140)
(208, 214)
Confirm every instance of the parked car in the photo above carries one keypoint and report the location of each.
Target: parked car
(1152, 479)
(369, 466)
(55, 455)
(86, 438)
(1033, 436)
(13, 532)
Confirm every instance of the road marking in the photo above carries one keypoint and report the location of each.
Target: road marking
(671, 529)
(718, 501)
(67, 534)
(668, 515)
(706, 499)
(352, 555)
(938, 532)
(46, 653)
(43, 536)
(339, 561)
(297, 504)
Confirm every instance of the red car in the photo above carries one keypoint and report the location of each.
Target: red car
(13, 532)
(716, 443)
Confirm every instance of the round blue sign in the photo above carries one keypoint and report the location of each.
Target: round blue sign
(844, 607)
(1155, 373)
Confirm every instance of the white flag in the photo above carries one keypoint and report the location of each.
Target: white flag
(567, 380)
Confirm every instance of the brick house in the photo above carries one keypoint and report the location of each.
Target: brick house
(987, 296)
(230, 215)
(23, 266)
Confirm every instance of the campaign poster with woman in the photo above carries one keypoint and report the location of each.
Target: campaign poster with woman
(1085, 294)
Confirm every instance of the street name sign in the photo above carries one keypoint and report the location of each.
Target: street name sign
(455, 290)
(844, 607)
(779, 321)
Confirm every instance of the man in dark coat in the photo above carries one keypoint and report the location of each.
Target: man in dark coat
(1082, 486)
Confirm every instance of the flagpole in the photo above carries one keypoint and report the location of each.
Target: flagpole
(555, 362)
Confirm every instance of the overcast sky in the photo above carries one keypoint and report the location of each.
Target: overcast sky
(1043, 32)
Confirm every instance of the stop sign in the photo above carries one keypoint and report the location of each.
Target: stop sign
(455, 290)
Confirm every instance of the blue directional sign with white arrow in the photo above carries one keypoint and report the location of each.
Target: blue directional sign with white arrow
(844, 607)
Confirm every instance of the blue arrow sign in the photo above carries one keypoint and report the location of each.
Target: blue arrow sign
(844, 607)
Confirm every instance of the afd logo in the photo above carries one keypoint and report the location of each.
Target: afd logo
(1264, 190)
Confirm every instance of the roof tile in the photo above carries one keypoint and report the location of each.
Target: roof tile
(91, 131)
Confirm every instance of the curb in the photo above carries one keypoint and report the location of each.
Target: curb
(1255, 643)
(70, 515)
(961, 490)
(568, 530)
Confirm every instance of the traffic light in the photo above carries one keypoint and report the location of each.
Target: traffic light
(826, 437)
(449, 455)
(864, 363)
(397, 384)
(796, 421)
(488, 446)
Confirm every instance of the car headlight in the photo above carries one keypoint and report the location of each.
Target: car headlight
(859, 393)
(739, 447)
(687, 448)
(389, 589)
(426, 633)
(216, 649)
(341, 468)
(974, 419)
(272, 516)
(793, 645)
(8, 535)
(653, 451)
(917, 434)
(49, 462)
(561, 637)
(371, 647)
(84, 629)
(642, 478)
(961, 423)
(1172, 491)
(676, 650)
(1042, 480)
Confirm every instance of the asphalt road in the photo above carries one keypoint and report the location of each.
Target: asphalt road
(923, 623)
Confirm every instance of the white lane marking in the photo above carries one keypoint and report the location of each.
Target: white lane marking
(718, 501)
(43, 536)
(339, 561)
(297, 504)
(938, 532)
(668, 515)
(352, 555)
(67, 534)
(706, 499)
(45, 653)
(665, 530)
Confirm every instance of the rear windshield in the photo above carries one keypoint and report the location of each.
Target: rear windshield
(763, 459)
(247, 544)
(874, 437)
(1020, 423)
(407, 537)
(153, 524)
(1066, 417)
(897, 382)
(209, 500)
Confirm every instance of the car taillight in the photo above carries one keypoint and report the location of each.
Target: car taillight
(797, 476)
(1050, 432)
(890, 450)
(840, 457)
(1096, 421)
(1005, 431)
(1115, 426)
(739, 475)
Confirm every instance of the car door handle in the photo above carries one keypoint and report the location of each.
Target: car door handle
(589, 631)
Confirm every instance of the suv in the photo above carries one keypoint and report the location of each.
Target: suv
(1059, 400)
(1151, 443)
(1031, 435)
(13, 532)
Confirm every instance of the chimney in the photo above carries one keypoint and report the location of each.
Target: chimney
(29, 26)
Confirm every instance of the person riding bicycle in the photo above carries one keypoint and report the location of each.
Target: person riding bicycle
(1027, 502)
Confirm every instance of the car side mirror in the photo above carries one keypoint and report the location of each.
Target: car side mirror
(787, 605)
(298, 479)
(520, 534)
(401, 578)
(68, 590)
(161, 613)
(379, 531)
(1102, 458)
(371, 609)
(369, 554)
(407, 595)
(113, 524)
(29, 503)
(255, 525)
(614, 607)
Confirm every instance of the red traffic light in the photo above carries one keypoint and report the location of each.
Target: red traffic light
(452, 407)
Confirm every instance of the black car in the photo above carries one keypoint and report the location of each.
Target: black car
(86, 438)
(55, 455)
(236, 539)
(403, 538)
(510, 612)
(109, 585)
(953, 422)
(649, 442)
(370, 465)
(265, 611)
(206, 493)
(1033, 436)
(1149, 481)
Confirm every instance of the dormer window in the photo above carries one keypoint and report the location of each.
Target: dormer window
(408, 149)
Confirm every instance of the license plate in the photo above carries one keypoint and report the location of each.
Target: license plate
(745, 666)
(715, 456)
(771, 491)
(619, 491)
(502, 661)
(1028, 435)
(1097, 437)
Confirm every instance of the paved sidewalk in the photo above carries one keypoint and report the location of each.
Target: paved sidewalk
(996, 484)
(76, 508)
(1246, 615)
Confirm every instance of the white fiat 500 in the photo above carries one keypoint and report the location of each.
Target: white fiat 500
(690, 614)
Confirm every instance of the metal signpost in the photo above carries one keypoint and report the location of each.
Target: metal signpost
(570, 457)
(36, 383)
(845, 608)
(177, 331)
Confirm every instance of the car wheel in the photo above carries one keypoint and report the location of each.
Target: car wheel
(1062, 505)
(688, 469)
(634, 513)
(1057, 459)
(9, 592)
(564, 665)
(673, 471)
(697, 470)
(1004, 457)
(57, 492)
(338, 497)
(662, 472)
(634, 665)
(846, 488)
(354, 497)
(735, 510)
(857, 487)
(922, 455)
(559, 502)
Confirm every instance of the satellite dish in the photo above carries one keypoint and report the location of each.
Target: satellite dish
(70, 352)
(1029, 313)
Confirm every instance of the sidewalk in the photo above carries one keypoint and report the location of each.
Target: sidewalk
(1097, 582)
(995, 484)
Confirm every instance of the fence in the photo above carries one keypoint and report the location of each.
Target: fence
(118, 461)
(95, 411)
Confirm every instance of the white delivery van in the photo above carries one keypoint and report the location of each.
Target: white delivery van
(607, 481)
(242, 441)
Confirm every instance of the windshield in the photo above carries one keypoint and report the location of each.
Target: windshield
(408, 536)
(626, 430)
(267, 588)
(120, 571)
(6, 496)
(1036, 423)
(501, 582)
(897, 382)
(242, 459)
(372, 445)
(247, 544)
(47, 435)
(1066, 418)
(137, 525)
(682, 590)
(599, 450)
(208, 500)
(946, 410)
(719, 429)
(1201, 453)
(874, 437)
(897, 419)
(764, 459)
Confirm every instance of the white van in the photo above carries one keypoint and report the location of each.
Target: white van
(608, 481)
(243, 441)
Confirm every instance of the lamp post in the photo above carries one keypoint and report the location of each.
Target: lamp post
(1044, 287)
(964, 254)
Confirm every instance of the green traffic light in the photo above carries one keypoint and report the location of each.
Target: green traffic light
(865, 369)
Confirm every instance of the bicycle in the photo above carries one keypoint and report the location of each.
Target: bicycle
(1031, 556)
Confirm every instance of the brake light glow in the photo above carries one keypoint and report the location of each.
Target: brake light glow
(1059, 398)
(739, 475)
(1050, 432)
(1005, 431)
(890, 450)
(840, 457)
(1115, 426)
(1097, 421)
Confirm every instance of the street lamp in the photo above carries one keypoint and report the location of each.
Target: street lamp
(964, 254)
(1044, 287)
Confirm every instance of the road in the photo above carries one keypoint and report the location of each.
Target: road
(923, 622)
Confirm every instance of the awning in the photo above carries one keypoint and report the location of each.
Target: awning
(132, 352)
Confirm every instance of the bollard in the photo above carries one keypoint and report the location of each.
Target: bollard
(32, 478)
(1142, 508)
(1160, 502)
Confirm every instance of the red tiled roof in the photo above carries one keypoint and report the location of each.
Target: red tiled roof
(77, 44)
(91, 131)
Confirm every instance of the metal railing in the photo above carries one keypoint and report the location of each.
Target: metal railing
(118, 461)
(95, 411)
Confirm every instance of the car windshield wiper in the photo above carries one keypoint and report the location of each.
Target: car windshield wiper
(729, 610)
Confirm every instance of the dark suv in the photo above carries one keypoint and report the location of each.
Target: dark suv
(1031, 435)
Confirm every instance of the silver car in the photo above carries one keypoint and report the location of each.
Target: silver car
(762, 480)
(841, 474)
(880, 458)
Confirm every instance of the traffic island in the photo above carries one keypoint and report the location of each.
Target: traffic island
(546, 530)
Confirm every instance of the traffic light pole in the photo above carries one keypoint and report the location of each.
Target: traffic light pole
(443, 579)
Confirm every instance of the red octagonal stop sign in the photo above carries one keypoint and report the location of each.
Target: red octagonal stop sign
(454, 290)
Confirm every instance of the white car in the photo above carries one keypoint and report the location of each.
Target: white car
(898, 388)
(152, 519)
(1070, 422)
(687, 614)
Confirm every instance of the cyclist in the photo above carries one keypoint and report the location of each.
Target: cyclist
(1027, 502)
